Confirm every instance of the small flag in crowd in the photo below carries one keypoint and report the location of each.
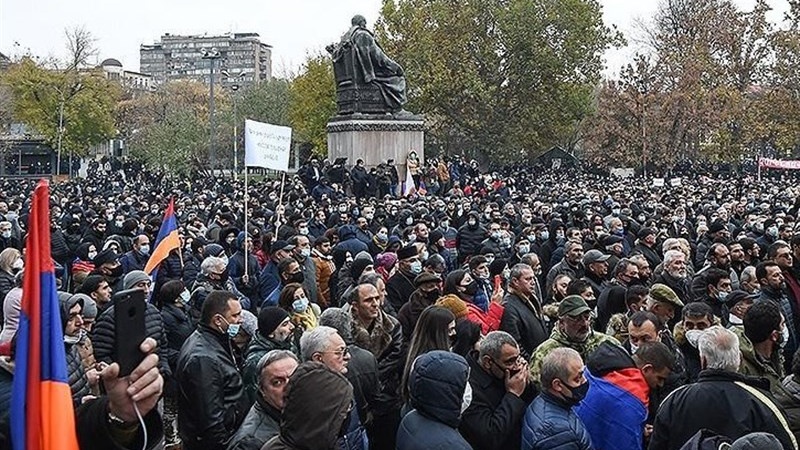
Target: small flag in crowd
(42, 415)
(166, 241)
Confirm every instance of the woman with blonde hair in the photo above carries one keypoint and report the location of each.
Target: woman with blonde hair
(10, 263)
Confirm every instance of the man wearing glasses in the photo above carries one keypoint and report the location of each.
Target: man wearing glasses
(573, 330)
(323, 344)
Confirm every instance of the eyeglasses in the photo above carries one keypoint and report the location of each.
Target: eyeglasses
(342, 352)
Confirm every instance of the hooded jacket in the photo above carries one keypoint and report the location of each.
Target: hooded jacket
(349, 242)
(75, 373)
(258, 347)
(436, 388)
(317, 403)
(469, 238)
(614, 411)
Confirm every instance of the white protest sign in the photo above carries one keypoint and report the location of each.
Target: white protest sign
(658, 182)
(675, 182)
(266, 145)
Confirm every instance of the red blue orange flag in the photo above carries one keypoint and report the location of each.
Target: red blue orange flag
(42, 415)
(166, 241)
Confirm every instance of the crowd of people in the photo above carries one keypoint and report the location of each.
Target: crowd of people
(518, 309)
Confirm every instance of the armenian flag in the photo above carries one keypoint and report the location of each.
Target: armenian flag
(42, 415)
(166, 241)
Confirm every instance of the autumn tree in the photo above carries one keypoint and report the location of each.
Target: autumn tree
(169, 128)
(312, 102)
(502, 79)
(705, 66)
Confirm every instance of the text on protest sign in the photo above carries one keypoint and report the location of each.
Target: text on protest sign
(266, 145)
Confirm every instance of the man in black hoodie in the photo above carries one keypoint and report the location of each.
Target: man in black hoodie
(469, 237)
(317, 403)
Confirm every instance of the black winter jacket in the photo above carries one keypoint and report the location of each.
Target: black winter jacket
(493, 420)
(728, 403)
(211, 400)
(103, 337)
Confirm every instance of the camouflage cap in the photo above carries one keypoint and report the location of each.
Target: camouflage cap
(665, 294)
(573, 305)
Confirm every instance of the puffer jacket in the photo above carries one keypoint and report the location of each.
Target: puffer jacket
(551, 424)
(261, 424)
(191, 267)
(317, 400)
(436, 390)
(170, 269)
(103, 337)
(178, 326)
(78, 384)
(211, 401)
(259, 346)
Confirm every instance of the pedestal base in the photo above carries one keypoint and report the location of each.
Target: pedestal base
(376, 139)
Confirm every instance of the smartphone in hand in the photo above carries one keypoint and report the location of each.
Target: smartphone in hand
(129, 330)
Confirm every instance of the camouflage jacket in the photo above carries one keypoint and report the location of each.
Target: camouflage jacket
(559, 339)
(618, 326)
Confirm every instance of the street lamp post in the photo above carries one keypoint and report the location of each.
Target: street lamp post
(211, 55)
(234, 88)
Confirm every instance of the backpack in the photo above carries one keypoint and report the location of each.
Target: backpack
(707, 440)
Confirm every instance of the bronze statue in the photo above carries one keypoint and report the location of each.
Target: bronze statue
(367, 81)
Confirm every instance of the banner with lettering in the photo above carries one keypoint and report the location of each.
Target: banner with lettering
(768, 163)
(267, 145)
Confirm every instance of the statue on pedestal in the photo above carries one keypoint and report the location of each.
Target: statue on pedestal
(367, 80)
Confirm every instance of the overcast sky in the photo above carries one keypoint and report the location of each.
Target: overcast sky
(293, 27)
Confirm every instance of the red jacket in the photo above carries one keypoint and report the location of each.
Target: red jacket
(490, 320)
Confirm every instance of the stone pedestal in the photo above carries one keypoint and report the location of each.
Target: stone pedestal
(376, 139)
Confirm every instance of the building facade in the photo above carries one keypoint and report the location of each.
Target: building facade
(134, 82)
(243, 56)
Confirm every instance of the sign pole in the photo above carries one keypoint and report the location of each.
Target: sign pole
(246, 232)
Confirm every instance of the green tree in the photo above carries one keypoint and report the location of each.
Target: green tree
(505, 79)
(83, 101)
(312, 102)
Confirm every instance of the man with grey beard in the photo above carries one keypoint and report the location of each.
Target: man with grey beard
(675, 275)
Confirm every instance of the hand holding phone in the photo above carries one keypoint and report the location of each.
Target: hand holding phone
(129, 330)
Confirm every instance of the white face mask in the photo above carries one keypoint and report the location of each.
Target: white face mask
(693, 336)
(734, 320)
(466, 399)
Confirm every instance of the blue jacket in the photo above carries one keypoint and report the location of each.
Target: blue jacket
(355, 438)
(268, 280)
(436, 388)
(550, 424)
(349, 242)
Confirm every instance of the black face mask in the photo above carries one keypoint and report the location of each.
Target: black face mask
(471, 288)
(297, 277)
(578, 393)
(116, 272)
(433, 295)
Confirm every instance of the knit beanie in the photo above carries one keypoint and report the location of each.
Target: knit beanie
(454, 304)
(269, 318)
(133, 277)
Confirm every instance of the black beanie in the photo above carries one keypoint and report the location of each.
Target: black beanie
(269, 318)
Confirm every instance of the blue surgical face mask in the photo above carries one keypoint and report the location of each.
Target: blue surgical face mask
(145, 249)
(416, 267)
(233, 328)
(545, 235)
(300, 305)
(722, 295)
